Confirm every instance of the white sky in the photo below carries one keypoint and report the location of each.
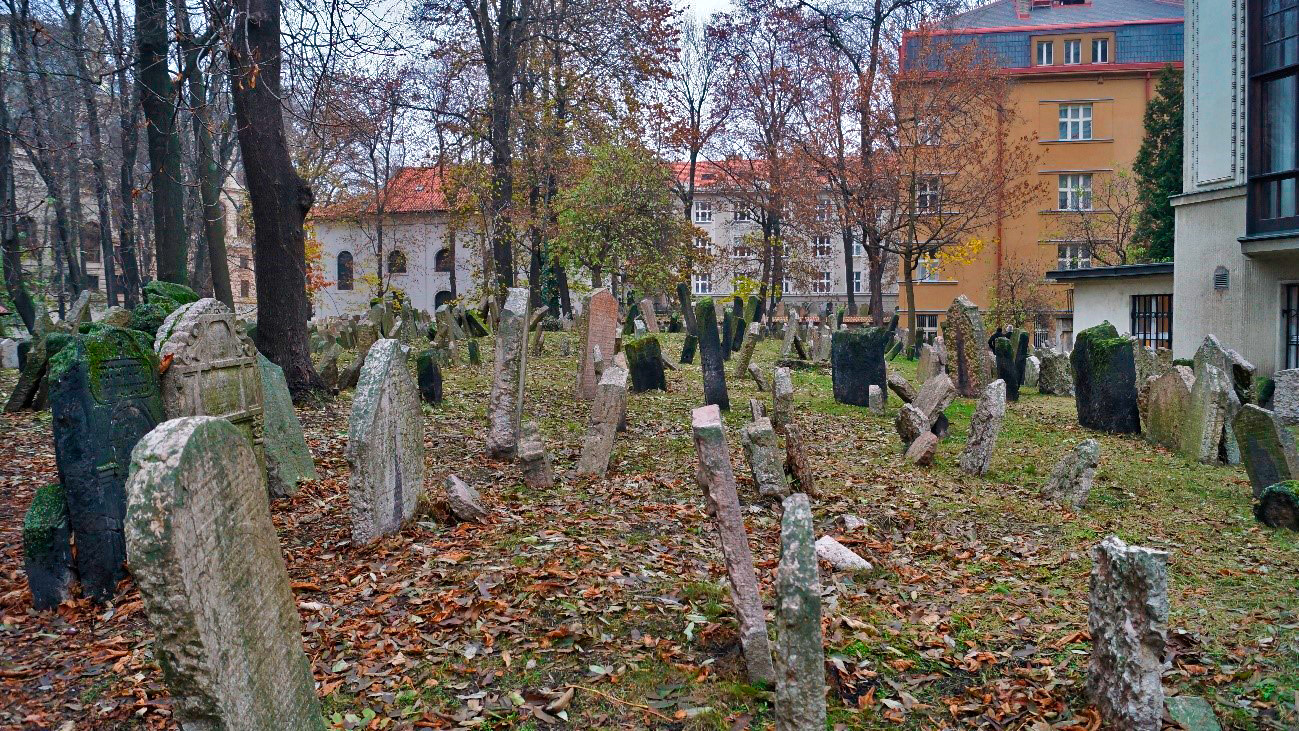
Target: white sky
(706, 8)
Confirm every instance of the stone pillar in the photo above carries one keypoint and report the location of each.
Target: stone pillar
(746, 351)
(857, 363)
(1022, 348)
(599, 329)
(782, 399)
(47, 548)
(711, 355)
(207, 561)
(606, 414)
(533, 458)
(1128, 617)
(985, 426)
(505, 403)
(288, 459)
(967, 347)
(1105, 381)
(718, 482)
(800, 655)
(763, 452)
(1007, 368)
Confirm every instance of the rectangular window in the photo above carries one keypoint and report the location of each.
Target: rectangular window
(740, 248)
(1290, 325)
(929, 132)
(927, 328)
(821, 247)
(928, 192)
(1100, 50)
(1073, 256)
(1273, 115)
(858, 249)
(703, 246)
(1073, 51)
(1076, 192)
(927, 267)
(824, 210)
(243, 262)
(821, 283)
(1045, 53)
(703, 212)
(701, 283)
(856, 283)
(1075, 121)
(786, 286)
(741, 214)
(1152, 320)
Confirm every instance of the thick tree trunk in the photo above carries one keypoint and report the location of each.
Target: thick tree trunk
(279, 197)
(157, 98)
(126, 240)
(100, 171)
(848, 270)
(13, 260)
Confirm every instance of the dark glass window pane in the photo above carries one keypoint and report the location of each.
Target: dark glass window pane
(1279, 109)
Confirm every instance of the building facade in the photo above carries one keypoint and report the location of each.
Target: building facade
(1083, 72)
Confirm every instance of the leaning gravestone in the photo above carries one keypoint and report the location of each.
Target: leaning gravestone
(288, 460)
(505, 404)
(967, 347)
(782, 399)
(1268, 447)
(1055, 377)
(985, 426)
(385, 444)
(752, 337)
(1128, 617)
(1164, 405)
(47, 548)
(935, 395)
(687, 311)
(800, 654)
(1071, 480)
(1240, 377)
(79, 314)
(711, 355)
(1205, 414)
(104, 395)
(207, 561)
(645, 361)
(763, 452)
(428, 377)
(1105, 381)
(647, 315)
(857, 363)
(599, 329)
(213, 369)
(606, 414)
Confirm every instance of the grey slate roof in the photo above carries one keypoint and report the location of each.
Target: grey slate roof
(1001, 13)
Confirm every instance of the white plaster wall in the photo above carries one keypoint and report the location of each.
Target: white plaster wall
(1215, 97)
(1098, 300)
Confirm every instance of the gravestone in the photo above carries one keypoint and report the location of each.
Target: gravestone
(714, 475)
(1055, 377)
(763, 452)
(791, 332)
(1285, 395)
(288, 460)
(1007, 367)
(607, 410)
(428, 377)
(352, 373)
(79, 313)
(910, 423)
(688, 348)
(647, 315)
(1205, 414)
(687, 310)
(711, 355)
(645, 362)
(875, 399)
(782, 399)
(985, 426)
(1032, 367)
(385, 444)
(47, 548)
(797, 465)
(474, 351)
(1163, 406)
(728, 331)
(922, 449)
(207, 561)
(1105, 381)
(1022, 349)
(8, 353)
(934, 397)
(1071, 480)
(857, 363)
(1278, 506)
(899, 384)
(927, 364)
(104, 396)
(800, 654)
(760, 380)
(1128, 617)
(464, 501)
(31, 376)
(533, 460)
(213, 370)
(1240, 375)
(505, 404)
(752, 336)
(599, 329)
(967, 347)
(1269, 448)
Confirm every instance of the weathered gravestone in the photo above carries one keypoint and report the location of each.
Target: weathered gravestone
(104, 395)
(1071, 480)
(687, 310)
(207, 561)
(759, 380)
(213, 370)
(47, 548)
(728, 331)
(899, 384)
(910, 423)
(31, 375)
(647, 315)
(1240, 376)
(985, 426)
(533, 460)
(797, 464)
(1163, 405)
(288, 460)
(857, 363)
(763, 452)
(752, 337)
(645, 361)
(1105, 381)
(79, 313)
(1022, 349)
(967, 347)
(936, 394)
(1007, 368)
(1032, 367)
(782, 399)
(606, 414)
(875, 399)
(688, 348)
(1268, 447)
(711, 355)
(8, 353)
(1278, 506)
(714, 475)
(505, 404)
(428, 377)
(790, 334)
(1128, 616)
(1205, 414)
(1285, 395)
(599, 329)
(1055, 377)
(800, 654)
(385, 444)
(927, 364)
(922, 449)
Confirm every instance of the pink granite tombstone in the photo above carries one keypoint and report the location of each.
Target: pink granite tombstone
(601, 318)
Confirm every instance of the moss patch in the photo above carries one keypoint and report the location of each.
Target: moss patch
(48, 511)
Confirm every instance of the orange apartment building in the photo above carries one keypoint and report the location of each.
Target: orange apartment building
(1083, 72)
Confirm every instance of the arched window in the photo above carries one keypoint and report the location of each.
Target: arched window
(442, 298)
(396, 262)
(344, 270)
(442, 262)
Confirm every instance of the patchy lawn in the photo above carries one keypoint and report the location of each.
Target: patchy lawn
(605, 602)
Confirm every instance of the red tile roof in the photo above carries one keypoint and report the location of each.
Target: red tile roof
(410, 190)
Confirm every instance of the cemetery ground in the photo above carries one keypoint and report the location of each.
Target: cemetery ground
(603, 603)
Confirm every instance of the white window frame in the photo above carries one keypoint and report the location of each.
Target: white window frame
(822, 248)
(701, 283)
(1100, 50)
(704, 246)
(1072, 255)
(742, 250)
(928, 268)
(929, 194)
(927, 328)
(824, 210)
(858, 249)
(929, 132)
(1072, 51)
(823, 282)
(1046, 53)
(1076, 121)
(741, 214)
(786, 286)
(703, 212)
(1075, 192)
(857, 282)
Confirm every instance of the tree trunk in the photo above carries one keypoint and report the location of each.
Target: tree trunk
(848, 270)
(279, 197)
(157, 98)
(13, 258)
(875, 271)
(96, 153)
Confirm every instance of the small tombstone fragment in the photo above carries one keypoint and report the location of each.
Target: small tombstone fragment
(840, 556)
(288, 459)
(899, 384)
(1269, 448)
(1071, 480)
(876, 400)
(927, 363)
(506, 399)
(606, 414)
(645, 362)
(47, 548)
(385, 444)
(465, 503)
(531, 452)
(207, 561)
(797, 465)
(800, 653)
(1278, 506)
(911, 422)
(756, 373)
(985, 426)
(647, 315)
(428, 376)
(782, 399)
(922, 450)
(1128, 616)
(763, 452)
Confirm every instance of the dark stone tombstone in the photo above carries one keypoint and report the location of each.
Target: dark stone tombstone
(1105, 381)
(1268, 447)
(24, 347)
(1006, 368)
(645, 361)
(857, 363)
(475, 355)
(47, 548)
(629, 325)
(105, 395)
(32, 373)
(1278, 506)
(429, 377)
(711, 355)
(687, 311)
(799, 350)
(688, 349)
(1021, 359)
(728, 331)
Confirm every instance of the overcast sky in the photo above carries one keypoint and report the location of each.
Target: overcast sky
(706, 7)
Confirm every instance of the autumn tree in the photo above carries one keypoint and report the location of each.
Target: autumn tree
(1104, 220)
(1020, 298)
(696, 107)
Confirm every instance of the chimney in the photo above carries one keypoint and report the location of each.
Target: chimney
(1021, 8)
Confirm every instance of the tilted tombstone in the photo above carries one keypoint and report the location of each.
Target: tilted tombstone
(857, 363)
(645, 361)
(1269, 448)
(967, 347)
(800, 653)
(606, 414)
(8, 353)
(760, 380)
(385, 444)
(1205, 415)
(288, 459)
(782, 399)
(791, 332)
(599, 329)
(1163, 407)
(104, 396)
(711, 355)
(763, 453)
(687, 309)
(1105, 381)
(207, 561)
(213, 370)
(1240, 377)
(79, 314)
(985, 427)
(728, 332)
(647, 315)
(751, 339)
(505, 404)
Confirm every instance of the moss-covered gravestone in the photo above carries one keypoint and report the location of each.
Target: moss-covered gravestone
(688, 348)
(645, 363)
(166, 293)
(213, 370)
(30, 375)
(1022, 349)
(104, 395)
(429, 377)
(711, 355)
(47, 548)
(1278, 506)
(288, 459)
(1105, 381)
(967, 347)
(728, 333)
(207, 561)
(800, 653)
(1267, 446)
(857, 363)
(1004, 352)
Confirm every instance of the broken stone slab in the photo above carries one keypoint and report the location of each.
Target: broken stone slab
(606, 414)
(921, 451)
(1278, 506)
(985, 426)
(911, 422)
(1192, 713)
(800, 653)
(714, 475)
(79, 314)
(47, 548)
(207, 561)
(505, 403)
(763, 452)
(899, 384)
(782, 399)
(840, 556)
(1205, 415)
(967, 347)
(464, 501)
(1128, 617)
(1163, 407)
(850, 522)
(936, 394)
(1269, 448)
(757, 410)
(756, 373)
(532, 457)
(288, 459)
(1071, 480)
